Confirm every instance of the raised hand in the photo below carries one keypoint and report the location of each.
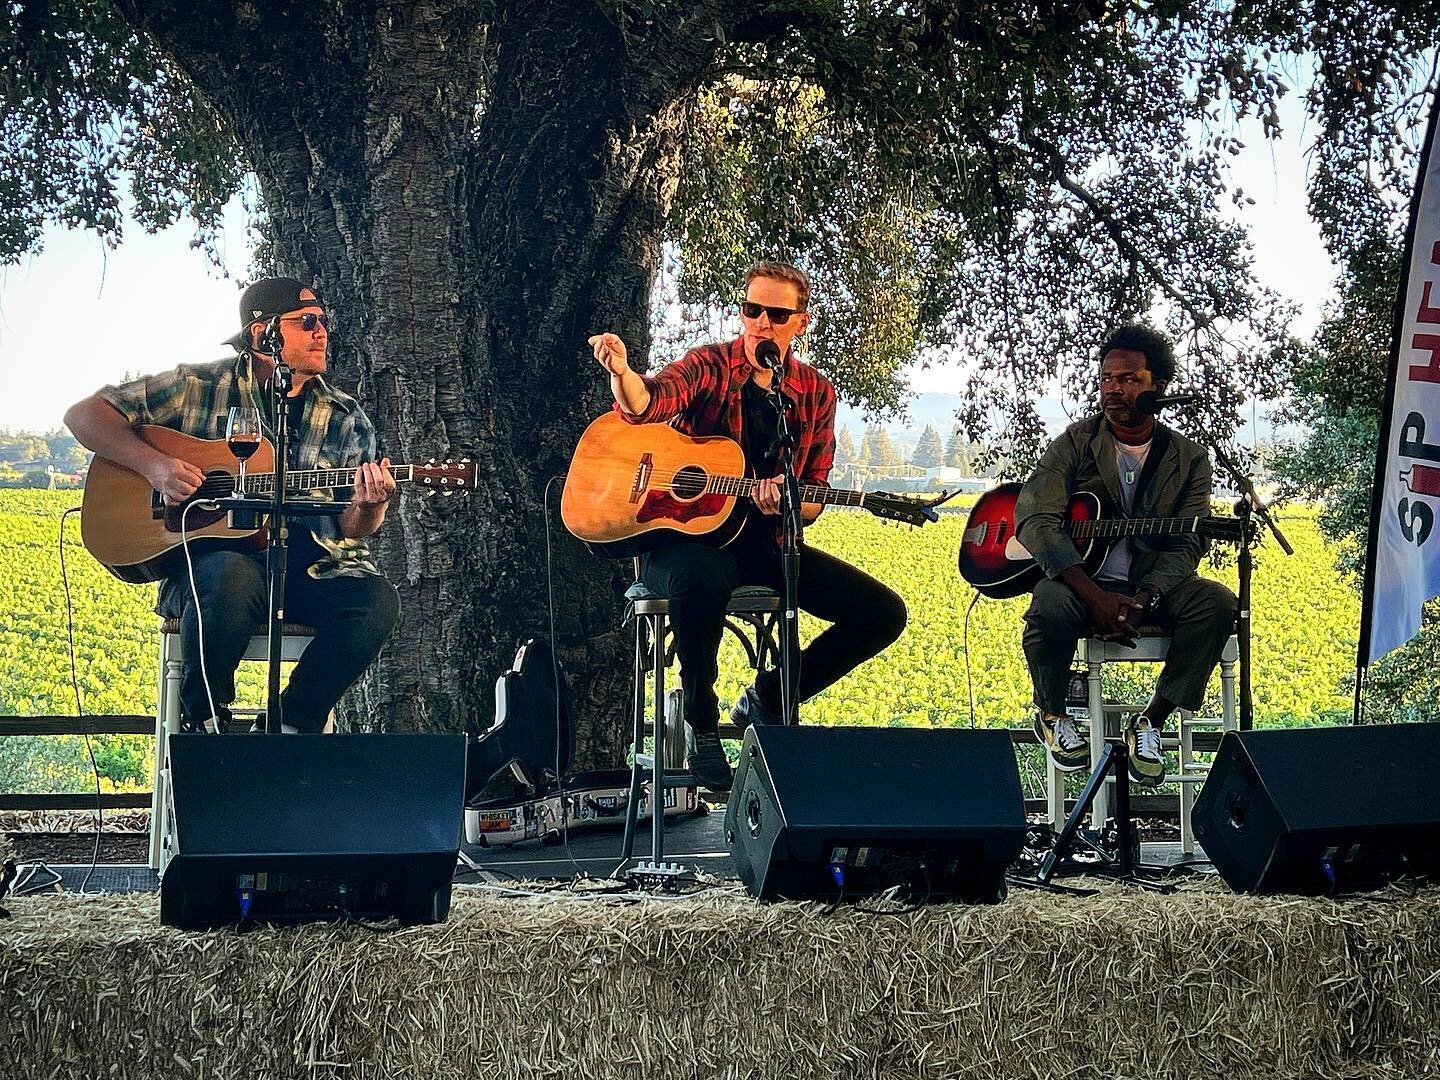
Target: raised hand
(610, 352)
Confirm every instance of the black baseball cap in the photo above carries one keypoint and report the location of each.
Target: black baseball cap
(267, 298)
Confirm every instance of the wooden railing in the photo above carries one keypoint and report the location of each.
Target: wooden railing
(1142, 805)
(76, 725)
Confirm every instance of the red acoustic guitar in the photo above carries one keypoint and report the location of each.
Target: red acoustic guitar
(633, 487)
(998, 566)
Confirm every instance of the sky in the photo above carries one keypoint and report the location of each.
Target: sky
(77, 316)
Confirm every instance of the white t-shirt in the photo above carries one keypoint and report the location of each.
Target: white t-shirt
(1129, 461)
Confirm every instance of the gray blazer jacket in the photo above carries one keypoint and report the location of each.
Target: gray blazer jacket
(1083, 459)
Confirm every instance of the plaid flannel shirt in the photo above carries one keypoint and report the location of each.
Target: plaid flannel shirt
(700, 394)
(333, 433)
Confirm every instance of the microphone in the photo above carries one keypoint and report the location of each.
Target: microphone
(1150, 403)
(270, 339)
(767, 354)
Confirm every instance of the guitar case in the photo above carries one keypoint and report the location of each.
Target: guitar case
(516, 756)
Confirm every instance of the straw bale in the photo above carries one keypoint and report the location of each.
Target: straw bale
(1125, 983)
(67, 821)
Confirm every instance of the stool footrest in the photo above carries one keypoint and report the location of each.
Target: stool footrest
(673, 778)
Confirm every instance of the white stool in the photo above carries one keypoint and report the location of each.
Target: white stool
(167, 713)
(1151, 646)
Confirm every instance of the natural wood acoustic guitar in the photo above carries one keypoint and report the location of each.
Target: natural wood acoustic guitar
(634, 487)
(136, 535)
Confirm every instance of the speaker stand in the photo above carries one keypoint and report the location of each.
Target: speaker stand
(1121, 864)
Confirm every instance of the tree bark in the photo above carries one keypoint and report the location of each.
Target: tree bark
(473, 198)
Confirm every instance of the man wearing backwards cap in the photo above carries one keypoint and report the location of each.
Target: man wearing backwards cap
(340, 593)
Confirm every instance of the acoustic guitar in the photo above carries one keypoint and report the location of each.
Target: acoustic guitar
(136, 535)
(994, 561)
(634, 487)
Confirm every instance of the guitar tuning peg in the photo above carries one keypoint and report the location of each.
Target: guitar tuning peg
(447, 494)
(429, 493)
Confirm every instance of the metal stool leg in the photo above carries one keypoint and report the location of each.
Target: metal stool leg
(632, 802)
(657, 774)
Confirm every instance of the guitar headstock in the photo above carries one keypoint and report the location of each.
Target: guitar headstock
(445, 477)
(906, 508)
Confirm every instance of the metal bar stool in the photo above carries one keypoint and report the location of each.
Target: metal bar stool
(167, 713)
(751, 615)
(1152, 645)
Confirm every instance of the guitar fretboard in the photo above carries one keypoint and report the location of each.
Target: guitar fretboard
(811, 493)
(315, 479)
(1084, 530)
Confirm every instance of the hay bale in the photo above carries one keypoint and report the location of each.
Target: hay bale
(1125, 983)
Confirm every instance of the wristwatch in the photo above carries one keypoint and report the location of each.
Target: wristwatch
(1152, 598)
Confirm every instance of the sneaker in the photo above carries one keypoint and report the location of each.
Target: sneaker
(749, 709)
(257, 726)
(1147, 760)
(1068, 748)
(707, 761)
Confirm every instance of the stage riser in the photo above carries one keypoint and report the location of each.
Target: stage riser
(1038, 986)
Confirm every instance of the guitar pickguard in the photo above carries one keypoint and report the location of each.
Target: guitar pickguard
(662, 506)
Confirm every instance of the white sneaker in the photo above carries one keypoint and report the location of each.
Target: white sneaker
(1068, 748)
(1147, 757)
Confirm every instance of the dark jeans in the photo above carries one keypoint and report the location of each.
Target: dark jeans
(864, 615)
(1199, 613)
(352, 617)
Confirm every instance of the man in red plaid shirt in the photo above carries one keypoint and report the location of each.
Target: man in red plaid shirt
(721, 389)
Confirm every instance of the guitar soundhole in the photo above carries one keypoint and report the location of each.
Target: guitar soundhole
(688, 483)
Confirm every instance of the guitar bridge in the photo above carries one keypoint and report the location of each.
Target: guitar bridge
(642, 477)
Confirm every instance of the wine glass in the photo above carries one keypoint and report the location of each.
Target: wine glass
(242, 435)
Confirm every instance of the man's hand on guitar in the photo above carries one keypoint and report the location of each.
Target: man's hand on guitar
(175, 480)
(1115, 615)
(373, 484)
(767, 495)
(610, 352)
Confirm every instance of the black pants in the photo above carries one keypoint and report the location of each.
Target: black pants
(864, 615)
(352, 617)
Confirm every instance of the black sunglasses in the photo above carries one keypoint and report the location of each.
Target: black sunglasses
(309, 319)
(779, 316)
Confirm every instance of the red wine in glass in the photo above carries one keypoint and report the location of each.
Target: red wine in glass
(243, 445)
(242, 435)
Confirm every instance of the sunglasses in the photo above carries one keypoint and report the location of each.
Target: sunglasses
(779, 316)
(309, 320)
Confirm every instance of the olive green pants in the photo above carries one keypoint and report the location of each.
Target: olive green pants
(1198, 613)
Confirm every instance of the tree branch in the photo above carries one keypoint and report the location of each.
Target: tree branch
(1117, 232)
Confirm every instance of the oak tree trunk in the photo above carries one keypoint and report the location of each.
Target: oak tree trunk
(472, 199)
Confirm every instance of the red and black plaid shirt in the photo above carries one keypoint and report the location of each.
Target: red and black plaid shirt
(699, 394)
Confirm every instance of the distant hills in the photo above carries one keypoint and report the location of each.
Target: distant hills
(940, 409)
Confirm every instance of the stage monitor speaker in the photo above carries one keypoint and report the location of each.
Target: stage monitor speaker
(285, 828)
(845, 811)
(1322, 810)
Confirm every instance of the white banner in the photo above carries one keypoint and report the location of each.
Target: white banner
(1403, 567)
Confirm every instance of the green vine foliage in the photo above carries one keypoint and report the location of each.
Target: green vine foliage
(1304, 642)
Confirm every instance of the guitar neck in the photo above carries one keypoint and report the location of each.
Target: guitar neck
(316, 479)
(810, 493)
(1110, 528)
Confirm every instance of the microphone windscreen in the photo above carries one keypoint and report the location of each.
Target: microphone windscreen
(1147, 402)
(768, 353)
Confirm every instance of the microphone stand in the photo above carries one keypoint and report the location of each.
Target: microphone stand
(792, 529)
(1247, 508)
(277, 528)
